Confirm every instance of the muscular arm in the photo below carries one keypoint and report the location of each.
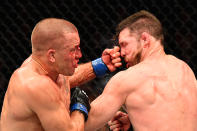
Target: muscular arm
(44, 100)
(83, 74)
(107, 104)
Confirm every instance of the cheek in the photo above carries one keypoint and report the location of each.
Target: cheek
(128, 50)
(132, 49)
(71, 56)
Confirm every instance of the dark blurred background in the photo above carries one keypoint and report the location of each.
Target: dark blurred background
(96, 21)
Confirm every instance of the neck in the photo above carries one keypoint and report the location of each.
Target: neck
(42, 68)
(156, 51)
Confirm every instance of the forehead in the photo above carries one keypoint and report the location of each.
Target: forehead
(124, 33)
(72, 39)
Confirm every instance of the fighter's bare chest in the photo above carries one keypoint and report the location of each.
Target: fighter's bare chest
(64, 92)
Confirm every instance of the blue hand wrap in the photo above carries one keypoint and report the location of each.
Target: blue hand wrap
(79, 106)
(99, 67)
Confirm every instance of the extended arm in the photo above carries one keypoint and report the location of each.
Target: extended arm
(110, 60)
(107, 104)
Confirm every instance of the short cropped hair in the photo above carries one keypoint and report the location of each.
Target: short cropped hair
(142, 21)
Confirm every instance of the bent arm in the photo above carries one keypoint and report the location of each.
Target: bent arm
(83, 73)
(58, 119)
(88, 71)
(106, 105)
(44, 100)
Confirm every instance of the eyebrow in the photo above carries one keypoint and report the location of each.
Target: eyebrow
(77, 45)
(121, 43)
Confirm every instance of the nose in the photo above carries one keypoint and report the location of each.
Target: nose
(78, 54)
(122, 52)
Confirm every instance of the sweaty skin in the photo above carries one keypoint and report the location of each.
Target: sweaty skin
(159, 93)
(38, 96)
(83, 73)
(154, 98)
(29, 90)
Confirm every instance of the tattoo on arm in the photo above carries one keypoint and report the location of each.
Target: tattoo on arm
(66, 85)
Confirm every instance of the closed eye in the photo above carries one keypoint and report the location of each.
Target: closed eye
(122, 44)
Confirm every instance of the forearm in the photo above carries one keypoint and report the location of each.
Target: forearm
(83, 74)
(78, 120)
(109, 61)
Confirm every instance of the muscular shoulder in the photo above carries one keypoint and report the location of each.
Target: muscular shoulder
(132, 77)
(27, 78)
(123, 78)
(181, 67)
(138, 73)
(39, 83)
(32, 86)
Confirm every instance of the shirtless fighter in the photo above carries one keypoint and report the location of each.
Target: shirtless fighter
(159, 91)
(38, 94)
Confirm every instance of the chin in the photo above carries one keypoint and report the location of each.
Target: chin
(71, 72)
(68, 73)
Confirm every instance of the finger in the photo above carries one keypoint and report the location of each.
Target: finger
(113, 122)
(117, 60)
(117, 116)
(107, 51)
(112, 127)
(117, 129)
(116, 48)
(118, 64)
(120, 113)
(111, 51)
(123, 117)
(115, 54)
(109, 123)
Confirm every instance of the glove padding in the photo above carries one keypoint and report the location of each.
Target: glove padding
(80, 102)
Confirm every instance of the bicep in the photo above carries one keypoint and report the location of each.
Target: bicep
(54, 118)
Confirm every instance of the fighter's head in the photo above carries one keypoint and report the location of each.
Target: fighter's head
(56, 43)
(136, 34)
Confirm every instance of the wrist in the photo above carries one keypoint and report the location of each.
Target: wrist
(81, 108)
(76, 114)
(99, 67)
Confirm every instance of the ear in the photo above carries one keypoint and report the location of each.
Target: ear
(51, 55)
(145, 39)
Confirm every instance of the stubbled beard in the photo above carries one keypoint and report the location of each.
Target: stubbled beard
(137, 58)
